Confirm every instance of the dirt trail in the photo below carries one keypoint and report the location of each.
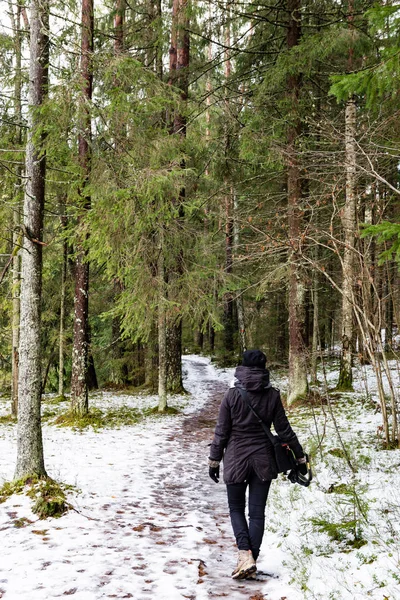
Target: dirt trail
(148, 524)
(186, 523)
(195, 435)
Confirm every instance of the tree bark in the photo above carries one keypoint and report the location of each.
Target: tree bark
(16, 307)
(162, 331)
(174, 358)
(16, 261)
(199, 336)
(282, 318)
(349, 223)
(119, 20)
(239, 298)
(79, 389)
(298, 386)
(211, 337)
(159, 39)
(179, 65)
(151, 360)
(62, 320)
(30, 459)
(315, 329)
(229, 326)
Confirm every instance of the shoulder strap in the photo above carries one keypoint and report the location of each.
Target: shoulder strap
(267, 430)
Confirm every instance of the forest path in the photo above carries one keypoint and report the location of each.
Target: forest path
(148, 522)
(186, 525)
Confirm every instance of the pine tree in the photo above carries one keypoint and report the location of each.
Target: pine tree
(80, 351)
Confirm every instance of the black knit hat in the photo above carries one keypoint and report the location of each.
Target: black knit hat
(254, 358)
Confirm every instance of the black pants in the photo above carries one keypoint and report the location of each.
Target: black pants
(248, 535)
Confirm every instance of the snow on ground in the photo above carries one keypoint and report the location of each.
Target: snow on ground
(149, 523)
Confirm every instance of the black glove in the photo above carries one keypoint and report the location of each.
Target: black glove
(302, 468)
(214, 473)
(302, 473)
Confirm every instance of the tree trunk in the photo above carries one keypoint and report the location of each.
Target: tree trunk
(30, 459)
(211, 337)
(62, 319)
(119, 26)
(349, 224)
(199, 336)
(16, 262)
(281, 337)
(315, 329)
(174, 358)
(229, 327)
(239, 297)
(159, 39)
(162, 331)
(79, 389)
(179, 65)
(80, 350)
(161, 272)
(151, 360)
(117, 374)
(16, 285)
(298, 386)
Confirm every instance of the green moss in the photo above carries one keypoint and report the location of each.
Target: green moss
(338, 452)
(8, 420)
(123, 389)
(344, 388)
(49, 499)
(342, 488)
(392, 445)
(48, 495)
(94, 418)
(48, 414)
(357, 543)
(345, 384)
(123, 415)
(98, 419)
(363, 459)
(56, 400)
(15, 487)
(170, 410)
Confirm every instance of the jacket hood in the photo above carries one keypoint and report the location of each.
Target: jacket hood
(253, 379)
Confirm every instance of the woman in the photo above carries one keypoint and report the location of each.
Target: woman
(248, 454)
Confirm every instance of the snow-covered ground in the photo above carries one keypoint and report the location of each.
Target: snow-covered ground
(149, 523)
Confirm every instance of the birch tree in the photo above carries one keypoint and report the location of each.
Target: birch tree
(16, 263)
(349, 226)
(30, 459)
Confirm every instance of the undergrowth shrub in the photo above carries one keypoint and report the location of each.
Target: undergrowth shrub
(48, 495)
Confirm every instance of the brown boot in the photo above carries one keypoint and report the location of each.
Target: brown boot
(252, 576)
(246, 565)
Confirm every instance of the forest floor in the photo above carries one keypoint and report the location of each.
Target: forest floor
(147, 522)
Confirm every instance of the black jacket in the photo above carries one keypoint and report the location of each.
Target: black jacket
(239, 438)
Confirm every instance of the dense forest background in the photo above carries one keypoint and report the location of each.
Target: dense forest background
(196, 176)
